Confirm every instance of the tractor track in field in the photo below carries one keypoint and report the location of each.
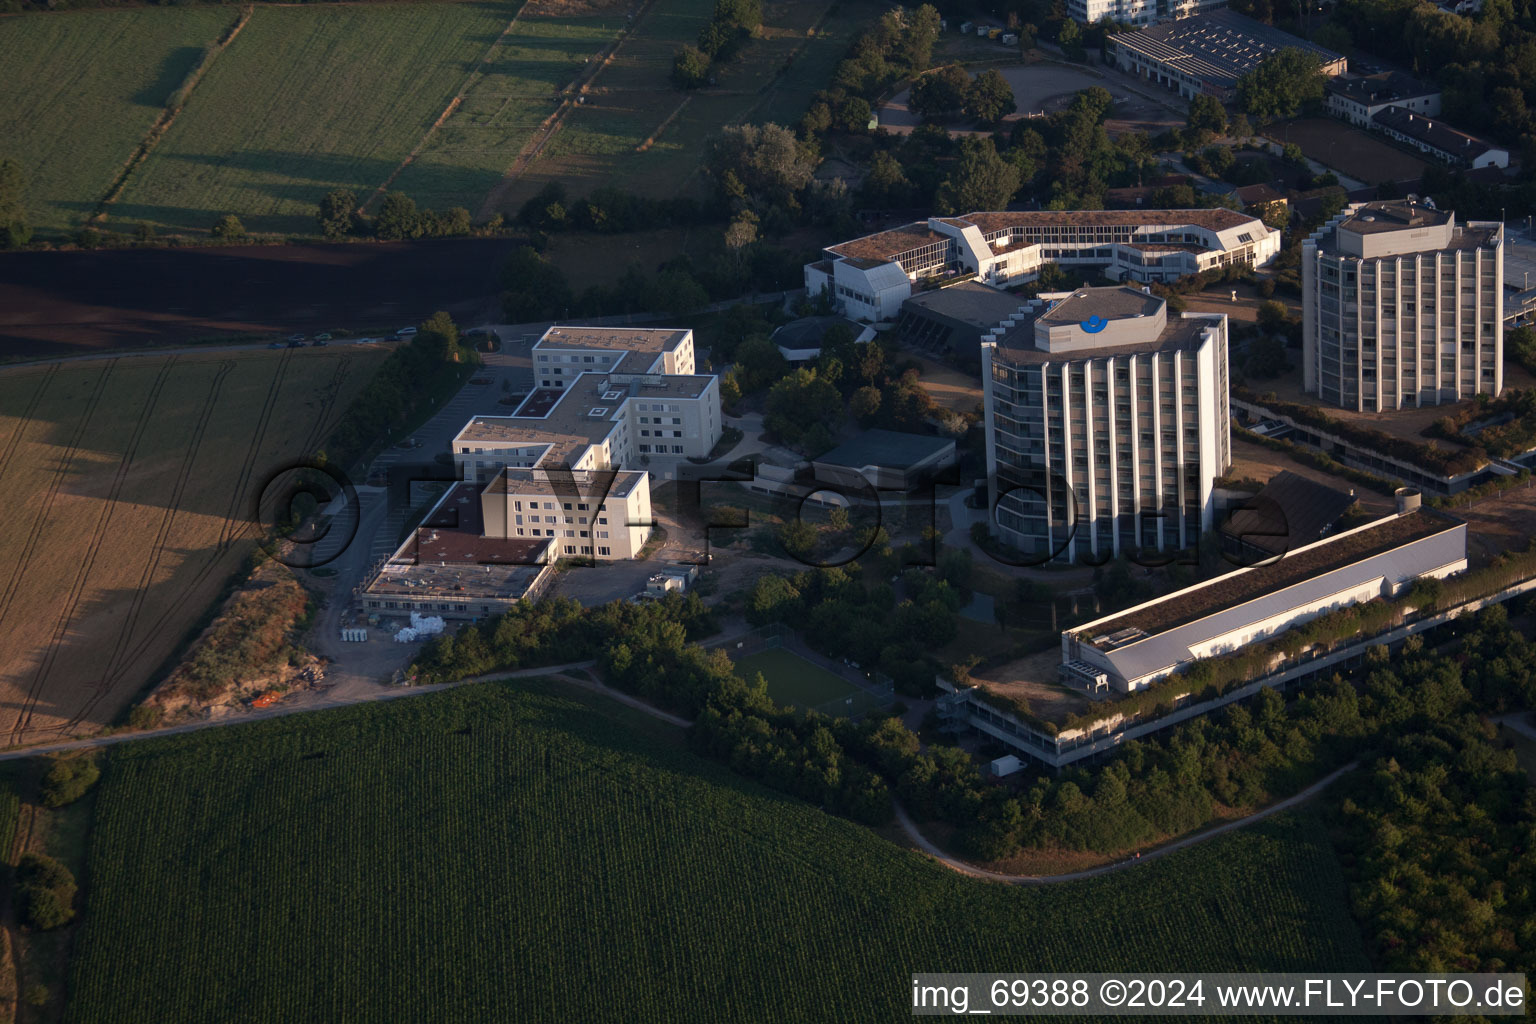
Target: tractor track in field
(29, 546)
(233, 529)
(93, 549)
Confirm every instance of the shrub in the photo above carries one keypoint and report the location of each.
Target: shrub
(45, 891)
(68, 780)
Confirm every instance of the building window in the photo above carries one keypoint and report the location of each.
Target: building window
(603, 551)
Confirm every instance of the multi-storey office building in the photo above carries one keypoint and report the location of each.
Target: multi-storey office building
(1402, 306)
(1107, 424)
(869, 278)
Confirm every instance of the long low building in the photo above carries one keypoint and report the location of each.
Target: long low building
(1135, 648)
(1208, 53)
(869, 278)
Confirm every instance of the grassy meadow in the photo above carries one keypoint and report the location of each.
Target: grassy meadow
(131, 484)
(81, 89)
(566, 858)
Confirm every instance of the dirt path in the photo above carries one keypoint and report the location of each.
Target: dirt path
(963, 868)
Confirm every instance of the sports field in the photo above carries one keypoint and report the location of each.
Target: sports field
(568, 857)
(79, 91)
(129, 487)
(794, 680)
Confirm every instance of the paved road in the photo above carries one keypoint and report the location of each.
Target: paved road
(963, 868)
(1518, 722)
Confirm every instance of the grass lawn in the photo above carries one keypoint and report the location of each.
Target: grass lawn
(307, 99)
(530, 845)
(130, 487)
(793, 680)
(81, 88)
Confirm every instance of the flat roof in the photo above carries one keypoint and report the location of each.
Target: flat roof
(581, 483)
(883, 246)
(1243, 585)
(1123, 303)
(970, 302)
(1393, 215)
(622, 339)
(1017, 347)
(1288, 512)
(1218, 47)
(886, 448)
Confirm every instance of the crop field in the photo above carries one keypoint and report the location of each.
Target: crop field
(79, 91)
(503, 107)
(130, 484)
(306, 99)
(567, 856)
(636, 131)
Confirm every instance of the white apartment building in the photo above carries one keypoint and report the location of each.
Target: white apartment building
(1402, 307)
(1107, 424)
(563, 353)
(869, 278)
(586, 513)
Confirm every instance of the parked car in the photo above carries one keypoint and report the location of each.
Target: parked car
(365, 341)
(295, 337)
(320, 343)
(276, 344)
(323, 337)
(406, 332)
(295, 344)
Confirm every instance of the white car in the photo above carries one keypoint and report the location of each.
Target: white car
(406, 332)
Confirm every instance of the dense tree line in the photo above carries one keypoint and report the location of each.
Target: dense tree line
(397, 219)
(15, 231)
(414, 376)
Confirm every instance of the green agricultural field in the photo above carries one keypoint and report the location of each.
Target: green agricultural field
(533, 852)
(794, 680)
(503, 108)
(81, 88)
(306, 99)
(638, 132)
(129, 484)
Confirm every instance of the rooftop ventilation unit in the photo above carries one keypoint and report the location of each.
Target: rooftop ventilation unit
(612, 396)
(598, 412)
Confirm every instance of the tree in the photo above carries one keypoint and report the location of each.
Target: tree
(915, 48)
(398, 218)
(981, 180)
(68, 780)
(1333, 36)
(1272, 317)
(766, 162)
(1206, 115)
(865, 405)
(15, 232)
(690, 68)
(940, 95)
(800, 401)
(991, 97)
(228, 228)
(887, 183)
(46, 890)
(741, 233)
(1266, 358)
(1281, 85)
(338, 213)
(532, 287)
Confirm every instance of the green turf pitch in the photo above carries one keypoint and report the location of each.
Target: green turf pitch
(794, 680)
